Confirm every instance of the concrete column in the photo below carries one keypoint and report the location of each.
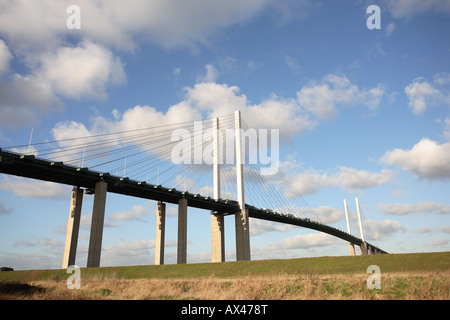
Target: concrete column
(217, 238)
(242, 235)
(351, 249)
(73, 227)
(182, 231)
(363, 248)
(98, 218)
(160, 233)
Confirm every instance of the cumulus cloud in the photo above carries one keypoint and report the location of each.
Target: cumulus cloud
(33, 188)
(421, 94)
(304, 241)
(259, 227)
(204, 100)
(353, 179)
(78, 64)
(83, 71)
(137, 212)
(400, 209)
(165, 22)
(323, 97)
(311, 180)
(376, 230)
(411, 8)
(427, 159)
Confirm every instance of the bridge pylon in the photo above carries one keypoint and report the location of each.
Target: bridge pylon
(351, 246)
(217, 219)
(241, 217)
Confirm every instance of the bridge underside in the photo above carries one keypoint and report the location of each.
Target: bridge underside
(58, 172)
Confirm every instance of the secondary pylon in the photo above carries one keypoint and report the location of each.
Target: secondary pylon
(351, 246)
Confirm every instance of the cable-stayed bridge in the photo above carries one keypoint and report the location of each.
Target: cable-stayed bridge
(222, 165)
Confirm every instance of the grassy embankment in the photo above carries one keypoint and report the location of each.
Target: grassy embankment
(403, 276)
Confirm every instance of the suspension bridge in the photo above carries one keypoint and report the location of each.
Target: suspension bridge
(174, 163)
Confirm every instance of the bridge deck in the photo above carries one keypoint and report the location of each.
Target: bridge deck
(58, 172)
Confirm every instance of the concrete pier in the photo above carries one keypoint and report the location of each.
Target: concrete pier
(73, 227)
(351, 248)
(217, 238)
(363, 248)
(182, 231)
(160, 233)
(242, 235)
(98, 217)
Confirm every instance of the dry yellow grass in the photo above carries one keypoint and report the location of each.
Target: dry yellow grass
(433, 285)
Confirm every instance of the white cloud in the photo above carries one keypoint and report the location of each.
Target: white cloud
(328, 215)
(311, 180)
(427, 159)
(137, 212)
(353, 179)
(37, 36)
(375, 230)
(304, 241)
(292, 63)
(258, 227)
(390, 28)
(81, 72)
(168, 23)
(421, 94)
(418, 207)
(410, 8)
(306, 182)
(438, 242)
(323, 98)
(84, 71)
(209, 99)
(33, 188)
(211, 74)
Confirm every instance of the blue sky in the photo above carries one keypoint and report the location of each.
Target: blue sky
(362, 113)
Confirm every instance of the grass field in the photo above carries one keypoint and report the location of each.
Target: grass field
(403, 276)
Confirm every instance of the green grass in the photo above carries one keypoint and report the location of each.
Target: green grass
(392, 263)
